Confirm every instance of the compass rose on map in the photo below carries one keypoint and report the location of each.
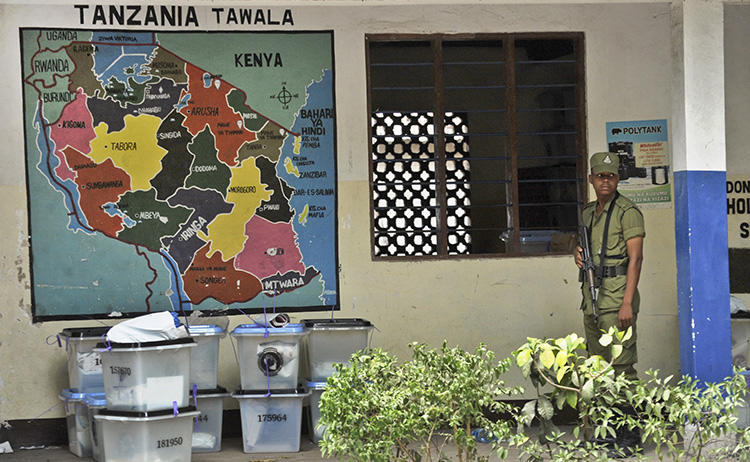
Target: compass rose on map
(284, 96)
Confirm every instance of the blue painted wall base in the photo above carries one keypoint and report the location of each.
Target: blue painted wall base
(703, 274)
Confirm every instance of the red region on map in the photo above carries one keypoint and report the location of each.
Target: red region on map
(269, 249)
(218, 279)
(98, 184)
(74, 128)
(208, 106)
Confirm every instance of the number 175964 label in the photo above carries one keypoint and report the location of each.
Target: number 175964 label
(271, 417)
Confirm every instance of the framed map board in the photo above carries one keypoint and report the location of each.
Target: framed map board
(179, 171)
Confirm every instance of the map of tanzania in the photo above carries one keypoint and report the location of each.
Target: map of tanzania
(179, 171)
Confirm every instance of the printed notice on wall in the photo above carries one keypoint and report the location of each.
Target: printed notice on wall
(643, 149)
(738, 211)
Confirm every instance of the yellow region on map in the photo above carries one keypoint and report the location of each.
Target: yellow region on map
(246, 192)
(290, 168)
(303, 215)
(297, 143)
(132, 149)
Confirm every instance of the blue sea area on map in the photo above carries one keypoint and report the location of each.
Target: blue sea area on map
(122, 37)
(121, 63)
(110, 208)
(175, 278)
(69, 190)
(317, 236)
(183, 102)
(92, 273)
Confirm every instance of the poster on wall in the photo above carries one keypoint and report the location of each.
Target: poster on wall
(179, 171)
(643, 149)
(738, 227)
(738, 211)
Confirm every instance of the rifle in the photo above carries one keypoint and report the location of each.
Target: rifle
(588, 263)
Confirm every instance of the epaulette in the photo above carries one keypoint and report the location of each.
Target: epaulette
(626, 204)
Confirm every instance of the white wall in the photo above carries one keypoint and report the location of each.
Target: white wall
(499, 301)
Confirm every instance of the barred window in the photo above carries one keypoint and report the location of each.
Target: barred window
(500, 171)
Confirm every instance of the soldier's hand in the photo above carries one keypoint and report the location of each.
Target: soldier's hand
(625, 316)
(577, 256)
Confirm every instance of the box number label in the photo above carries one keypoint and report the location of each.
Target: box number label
(271, 417)
(161, 444)
(119, 370)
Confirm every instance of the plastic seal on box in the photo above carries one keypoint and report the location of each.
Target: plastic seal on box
(153, 327)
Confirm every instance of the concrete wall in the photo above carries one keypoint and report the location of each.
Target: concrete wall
(499, 301)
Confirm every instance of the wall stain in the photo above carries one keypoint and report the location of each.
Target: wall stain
(20, 267)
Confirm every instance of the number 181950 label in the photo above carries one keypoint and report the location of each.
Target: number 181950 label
(167, 443)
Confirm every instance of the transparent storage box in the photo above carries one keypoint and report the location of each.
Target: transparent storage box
(146, 376)
(77, 420)
(95, 402)
(207, 431)
(316, 390)
(332, 341)
(204, 358)
(84, 363)
(533, 240)
(156, 436)
(271, 423)
(269, 357)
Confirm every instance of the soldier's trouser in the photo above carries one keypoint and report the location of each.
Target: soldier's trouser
(629, 356)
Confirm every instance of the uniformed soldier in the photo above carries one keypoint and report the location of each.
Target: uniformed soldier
(616, 231)
(618, 300)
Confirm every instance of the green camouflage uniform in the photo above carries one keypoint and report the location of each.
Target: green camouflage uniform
(626, 223)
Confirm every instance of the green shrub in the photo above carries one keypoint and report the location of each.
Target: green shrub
(375, 409)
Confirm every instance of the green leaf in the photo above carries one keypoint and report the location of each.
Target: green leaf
(544, 408)
(605, 340)
(547, 358)
(616, 350)
(560, 400)
(561, 373)
(561, 358)
(575, 379)
(628, 334)
(528, 412)
(587, 392)
(523, 357)
(571, 398)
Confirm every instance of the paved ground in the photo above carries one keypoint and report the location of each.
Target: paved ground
(231, 452)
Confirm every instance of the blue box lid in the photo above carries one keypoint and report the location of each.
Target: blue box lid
(70, 394)
(75, 333)
(316, 385)
(96, 399)
(336, 323)
(255, 329)
(205, 329)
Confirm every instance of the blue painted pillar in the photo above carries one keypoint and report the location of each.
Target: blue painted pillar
(699, 158)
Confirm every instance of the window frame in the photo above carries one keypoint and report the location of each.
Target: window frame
(507, 40)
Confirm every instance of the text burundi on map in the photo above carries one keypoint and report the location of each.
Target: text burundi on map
(218, 176)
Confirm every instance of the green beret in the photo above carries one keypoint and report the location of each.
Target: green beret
(604, 162)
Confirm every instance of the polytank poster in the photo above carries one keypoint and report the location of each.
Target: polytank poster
(179, 171)
(643, 149)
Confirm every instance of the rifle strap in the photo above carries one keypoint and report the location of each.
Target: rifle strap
(600, 273)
